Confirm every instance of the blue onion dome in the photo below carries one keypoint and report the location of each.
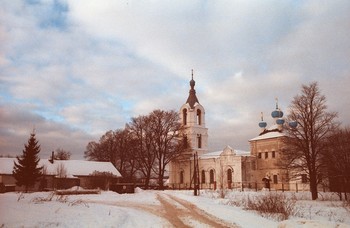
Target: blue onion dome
(262, 124)
(280, 121)
(293, 124)
(277, 114)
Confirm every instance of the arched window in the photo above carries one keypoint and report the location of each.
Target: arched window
(199, 140)
(181, 177)
(184, 116)
(211, 176)
(199, 117)
(203, 176)
(185, 141)
(229, 175)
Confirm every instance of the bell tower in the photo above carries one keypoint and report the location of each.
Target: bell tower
(192, 116)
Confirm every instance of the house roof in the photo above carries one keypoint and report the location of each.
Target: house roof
(72, 167)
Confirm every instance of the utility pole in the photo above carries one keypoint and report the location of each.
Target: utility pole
(196, 174)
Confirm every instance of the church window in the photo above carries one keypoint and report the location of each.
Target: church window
(229, 175)
(181, 177)
(303, 178)
(253, 165)
(199, 140)
(184, 116)
(199, 117)
(185, 141)
(275, 181)
(266, 154)
(273, 154)
(203, 176)
(211, 176)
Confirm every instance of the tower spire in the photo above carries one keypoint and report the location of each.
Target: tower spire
(192, 98)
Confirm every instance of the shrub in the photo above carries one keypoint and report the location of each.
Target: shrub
(275, 205)
(43, 199)
(346, 205)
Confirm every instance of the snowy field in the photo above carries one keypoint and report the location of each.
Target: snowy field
(162, 209)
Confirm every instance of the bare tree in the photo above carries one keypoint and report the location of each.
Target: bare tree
(103, 150)
(116, 147)
(307, 143)
(158, 142)
(144, 153)
(147, 144)
(338, 161)
(93, 152)
(125, 160)
(166, 126)
(61, 171)
(61, 154)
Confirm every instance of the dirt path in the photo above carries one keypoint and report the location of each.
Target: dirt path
(178, 212)
(182, 213)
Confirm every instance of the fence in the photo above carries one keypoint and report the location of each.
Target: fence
(247, 186)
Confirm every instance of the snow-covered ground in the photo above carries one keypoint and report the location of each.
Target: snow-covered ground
(160, 209)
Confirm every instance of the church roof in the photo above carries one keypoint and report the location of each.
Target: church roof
(217, 154)
(192, 98)
(272, 132)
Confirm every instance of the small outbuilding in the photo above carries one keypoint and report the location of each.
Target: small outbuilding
(63, 174)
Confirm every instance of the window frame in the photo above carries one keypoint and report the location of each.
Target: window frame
(212, 176)
(273, 154)
(229, 175)
(203, 176)
(275, 179)
(182, 174)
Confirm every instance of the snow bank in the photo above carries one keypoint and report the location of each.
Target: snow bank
(76, 211)
(110, 209)
(310, 224)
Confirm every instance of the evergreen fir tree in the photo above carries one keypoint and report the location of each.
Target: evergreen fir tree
(26, 171)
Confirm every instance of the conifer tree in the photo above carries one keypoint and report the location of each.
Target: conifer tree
(26, 171)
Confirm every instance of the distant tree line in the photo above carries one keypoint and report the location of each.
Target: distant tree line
(61, 154)
(144, 148)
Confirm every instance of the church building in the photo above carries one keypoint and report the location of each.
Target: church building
(230, 168)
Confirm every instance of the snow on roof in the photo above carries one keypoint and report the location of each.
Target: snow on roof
(217, 154)
(269, 135)
(6, 165)
(72, 167)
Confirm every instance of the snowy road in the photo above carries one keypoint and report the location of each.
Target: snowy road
(177, 212)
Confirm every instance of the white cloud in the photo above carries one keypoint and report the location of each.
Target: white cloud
(83, 67)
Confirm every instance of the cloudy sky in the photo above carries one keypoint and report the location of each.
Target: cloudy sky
(75, 69)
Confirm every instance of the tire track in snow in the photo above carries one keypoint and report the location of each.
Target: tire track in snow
(189, 210)
(177, 212)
